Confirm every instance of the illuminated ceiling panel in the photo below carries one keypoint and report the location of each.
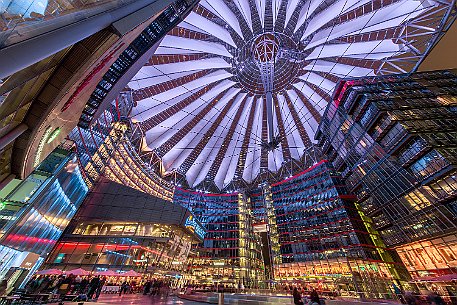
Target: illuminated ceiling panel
(203, 100)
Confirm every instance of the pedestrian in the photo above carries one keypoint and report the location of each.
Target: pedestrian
(297, 297)
(100, 287)
(124, 288)
(83, 285)
(147, 287)
(3, 287)
(93, 285)
(314, 298)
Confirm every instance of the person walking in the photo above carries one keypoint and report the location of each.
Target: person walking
(297, 297)
(124, 288)
(93, 285)
(100, 287)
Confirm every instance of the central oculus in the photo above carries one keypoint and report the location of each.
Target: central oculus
(266, 48)
(264, 63)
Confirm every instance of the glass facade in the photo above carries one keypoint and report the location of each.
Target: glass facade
(323, 240)
(140, 232)
(393, 140)
(37, 210)
(231, 251)
(103, 150)
(145, 247)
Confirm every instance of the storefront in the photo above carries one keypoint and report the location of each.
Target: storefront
(119, 229)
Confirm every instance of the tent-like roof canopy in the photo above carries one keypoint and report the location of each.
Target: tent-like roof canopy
(201, 100)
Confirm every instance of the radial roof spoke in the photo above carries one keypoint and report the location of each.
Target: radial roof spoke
(305, 109)
(247, 137)
(338, 69)
(322, 82)
(303, 140)
(366, 49)
(201, 98)
(179, 45)
(282, 132)
(291, 7)
(276, 4)
(386, 17)
(245, 9)
(219, 8)
(306, 11)
(210, 27)
(261, 6)
(226, 167)
(252, 165)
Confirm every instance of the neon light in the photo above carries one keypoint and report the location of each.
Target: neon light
(53, 135)
(2, 205)
(300, 174)
(39, 150)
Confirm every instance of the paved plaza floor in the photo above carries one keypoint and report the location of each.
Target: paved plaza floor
(139, 299)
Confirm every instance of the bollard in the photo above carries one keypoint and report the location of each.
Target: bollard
(221, 298)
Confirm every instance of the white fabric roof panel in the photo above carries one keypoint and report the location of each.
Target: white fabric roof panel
(318, 27)
(180, 45)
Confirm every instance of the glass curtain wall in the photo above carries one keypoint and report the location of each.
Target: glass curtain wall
(394, 140)
(39, 209)
(231, 252)
(323, 241)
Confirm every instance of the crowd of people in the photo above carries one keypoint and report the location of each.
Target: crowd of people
(85, 288)
(156, 287)
(90, 287)
(312, 300)
(409, 298)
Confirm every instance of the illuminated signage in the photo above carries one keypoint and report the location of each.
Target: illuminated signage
(5, 217)
(41, 144)
(192, 225)
(53, 135)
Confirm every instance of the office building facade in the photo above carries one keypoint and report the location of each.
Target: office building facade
(394, 140)
(119, 228)
(231, 251)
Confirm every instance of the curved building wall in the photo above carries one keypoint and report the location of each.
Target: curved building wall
(325, 241)
(103, 150)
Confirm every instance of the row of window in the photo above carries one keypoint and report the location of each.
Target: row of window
(148, 37)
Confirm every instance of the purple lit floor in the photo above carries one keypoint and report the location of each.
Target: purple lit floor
(139, 299)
